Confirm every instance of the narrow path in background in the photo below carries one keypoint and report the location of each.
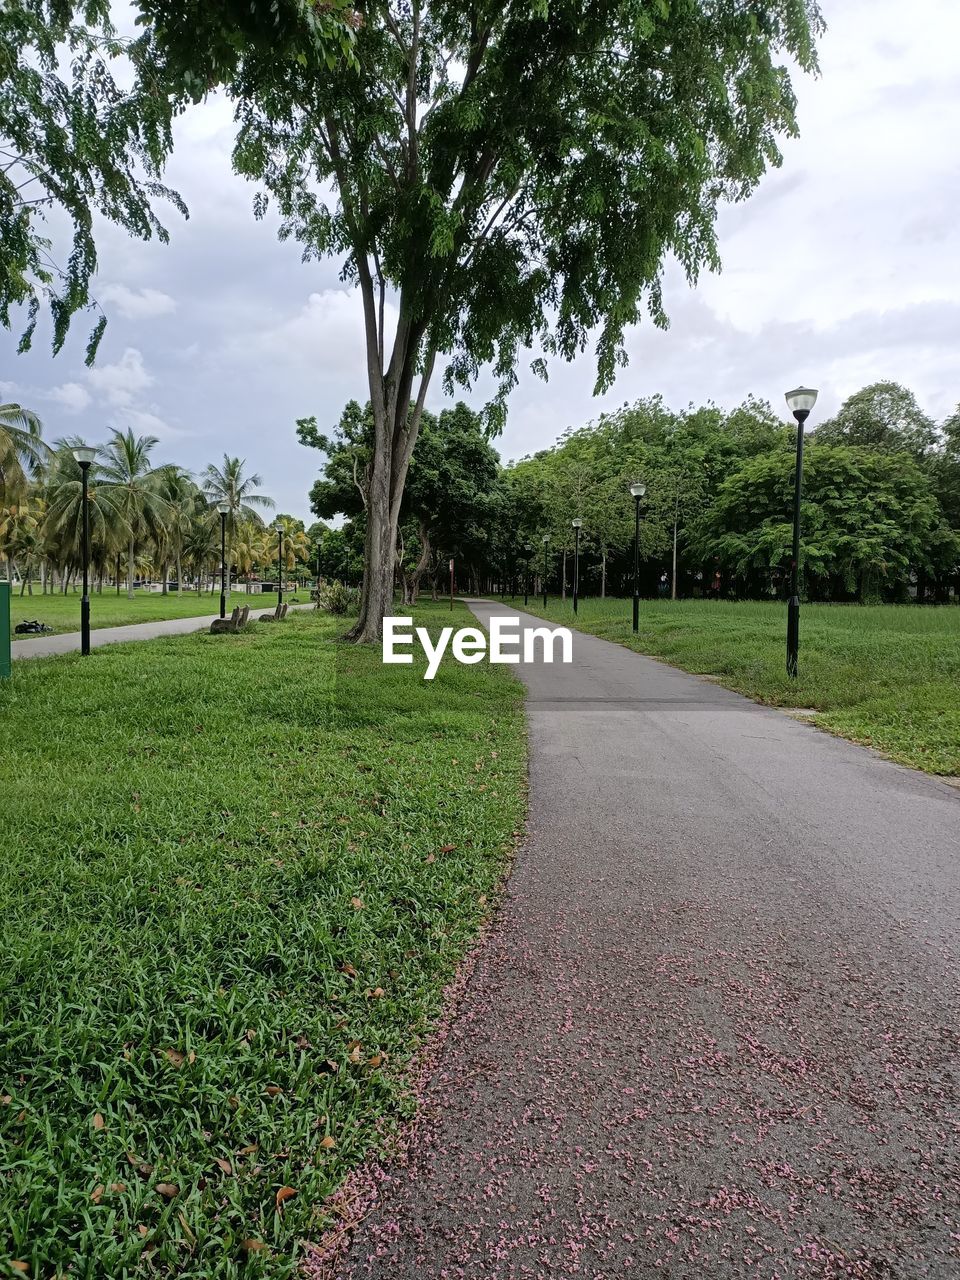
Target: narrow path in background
(714, 1029)
(69, 641)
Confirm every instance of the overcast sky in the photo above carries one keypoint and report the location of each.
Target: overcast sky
(844, 268)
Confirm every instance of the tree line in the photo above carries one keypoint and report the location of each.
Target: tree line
(880, 513)
(147, 521)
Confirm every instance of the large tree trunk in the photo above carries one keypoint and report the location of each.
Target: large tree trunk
(411, 581)
(130, 551)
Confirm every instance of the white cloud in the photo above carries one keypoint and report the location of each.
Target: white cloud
(70, 396)
(117, 384)
(137, 304)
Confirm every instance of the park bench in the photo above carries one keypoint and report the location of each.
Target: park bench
(230, 626)
(279, 613)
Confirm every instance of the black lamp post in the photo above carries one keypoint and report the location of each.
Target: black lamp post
(528, 552)
(637, 490)
(279, 528)
(800, 402)
(85, 457)
(223, 508)
(577, 524)
(546, 548)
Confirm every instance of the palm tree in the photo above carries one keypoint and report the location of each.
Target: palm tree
(227, 483)
(134, 488)
(22, 452)
(183, 500)
(63, 526)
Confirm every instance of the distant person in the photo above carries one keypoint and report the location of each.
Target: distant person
(663, 587)
(715, 585)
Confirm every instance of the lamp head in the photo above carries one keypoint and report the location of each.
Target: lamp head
(638, 490)
(223, 508)
(84, 455)
(546, 538)
(576, 524)
(800, 401)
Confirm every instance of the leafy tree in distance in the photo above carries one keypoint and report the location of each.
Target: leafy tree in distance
(515, 175)
(884, 415)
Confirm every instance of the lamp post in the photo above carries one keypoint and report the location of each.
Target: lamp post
(637, 491)
(279, 528)
(546, 546)
(528, 552)
(576, 526)
(223, 508)
(85, 457)
(799, 402)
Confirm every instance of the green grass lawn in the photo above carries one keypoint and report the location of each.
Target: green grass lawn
(885, 675)
(62, 613)
(237, 873)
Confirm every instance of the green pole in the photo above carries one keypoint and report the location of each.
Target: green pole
(4, 630)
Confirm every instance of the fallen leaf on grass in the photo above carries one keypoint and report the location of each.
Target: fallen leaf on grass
(167, 1189)
(252, 1246)
(448, 848)
(224, 1165)
(20, 1266)
(357, 903)
(175, 1057)
(99, 1122)
(272, 1090)
(97, 1194)
(349, 970)
(248, 1151)
(285, 1193)
(375, 1060)
(328, 1143)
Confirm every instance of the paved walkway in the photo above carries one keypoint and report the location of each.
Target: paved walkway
(714, 1030)
(69, 641)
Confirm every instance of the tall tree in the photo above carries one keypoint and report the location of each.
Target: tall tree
(512, 175)
(228, 483)
(133, 487)
(884, 415)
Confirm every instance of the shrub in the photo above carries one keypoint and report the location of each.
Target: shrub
(336, 598)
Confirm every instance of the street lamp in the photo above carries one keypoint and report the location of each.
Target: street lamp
(546, 545)
(223, 508)
(85, 457)
(637, 490)
(279, 528)
(799, 402)
(576, 526)
(528, 552)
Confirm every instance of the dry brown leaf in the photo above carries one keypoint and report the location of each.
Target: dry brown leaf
(117, 1187)
(378, 993)
(144, 1231)
(357, 904)
(328, 1143)
(272, 1090)
(429, 858)
(233, 1102)
(252, 1246)
(97, 1194)
(174, 1056)
(168, 1189)
(248, 1151)
(448, 848)
(349, 970)
(6, 1099)
(99, 1122)
(375, 1060)
(285, 1193)
(224, 1165)
(20, 1266)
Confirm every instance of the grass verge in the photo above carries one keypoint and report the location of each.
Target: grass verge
(239, 872)
(885, 675)
(62, 613)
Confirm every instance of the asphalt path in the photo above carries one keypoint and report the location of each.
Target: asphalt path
(713, 1030)
(69, 641)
